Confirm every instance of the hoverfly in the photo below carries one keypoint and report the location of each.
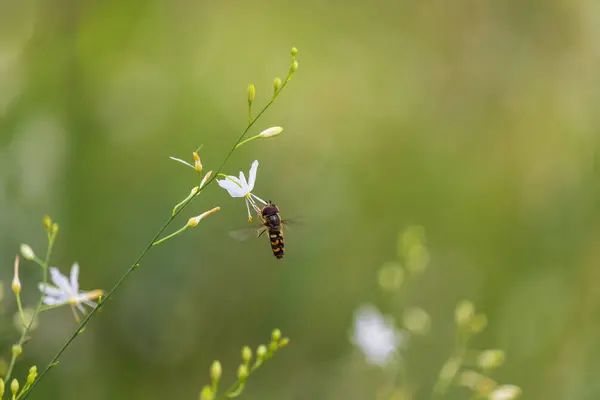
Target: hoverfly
(271, 222)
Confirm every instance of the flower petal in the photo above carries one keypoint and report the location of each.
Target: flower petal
(60, 280)
(52, 301)
(244, 182)
(75, 278)
(50, 290)
(252, 175)
(232, 188)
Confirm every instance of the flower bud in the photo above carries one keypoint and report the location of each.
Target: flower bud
(276, 85)
(32, 375)
(284, 342)
(17, 350)
(294, 67)
(47, 222)
(16, 283)
(197, 163)
(192, 222)
(251, 93)
(14, 387)
(270, 132)
(450, 368)
(246, 354)
(391, 276)
(261, 352)
(276, 335)
(1, 388)
(490, 359)
(206, 178)
(505, 392)
(294, 51)
(242, 372)
(216, 371)
(479, 323)
(27, 252)
(207, 393)
(417, 321)
(464, 312)
(54, 228)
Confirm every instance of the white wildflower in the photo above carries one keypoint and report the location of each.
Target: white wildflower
(66, 290)
(375, 336)
(239, 187)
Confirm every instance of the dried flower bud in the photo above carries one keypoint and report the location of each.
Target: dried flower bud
(192, 222)
(27, 252)
(206, 178)
(197, 163)
(16, 283)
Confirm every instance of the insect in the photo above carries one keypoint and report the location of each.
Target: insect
(271, 222)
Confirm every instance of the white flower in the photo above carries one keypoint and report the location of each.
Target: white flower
(376, 337)
(505, 392)
(239, 187)
(67, 291)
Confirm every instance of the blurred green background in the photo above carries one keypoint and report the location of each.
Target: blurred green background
(477, 120)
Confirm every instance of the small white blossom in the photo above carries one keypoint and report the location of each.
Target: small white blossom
(239, 187)
(505, 392)
(66, 290)
(375, 336)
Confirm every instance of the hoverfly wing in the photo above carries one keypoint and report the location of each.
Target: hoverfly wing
(247, 233)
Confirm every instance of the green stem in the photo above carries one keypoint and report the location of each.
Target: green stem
(171, 235)
(246, 141)
(27, 328)
(20, 306)
(135, 264)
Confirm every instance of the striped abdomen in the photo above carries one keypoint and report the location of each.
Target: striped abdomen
(276, 238)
